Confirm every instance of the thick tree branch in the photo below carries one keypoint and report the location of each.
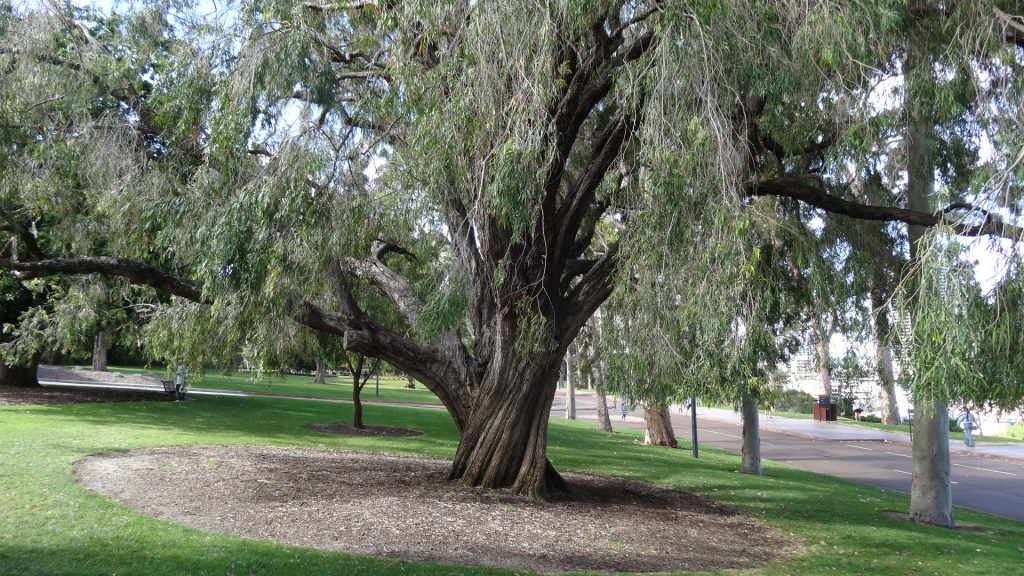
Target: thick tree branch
(589, 293)
(810, 192)
(134, 271)
(388, 282)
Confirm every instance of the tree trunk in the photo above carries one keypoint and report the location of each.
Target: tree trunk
(570, 389)
(751, 463)
(357, 403)
(658, 426)
(883, 352)
(20, 376)
(100, 347)
(931, 497)
(604, 421)
(357, 390)
(824, 359)
(504, 440)
(321, 370)
(887, 382)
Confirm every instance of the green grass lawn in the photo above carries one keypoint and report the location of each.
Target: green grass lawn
(49, 525)
(391, 389)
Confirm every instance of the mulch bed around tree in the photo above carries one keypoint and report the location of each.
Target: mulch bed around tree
(350, 430)
(404, 508)
(14, 395)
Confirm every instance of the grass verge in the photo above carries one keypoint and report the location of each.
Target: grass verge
(49, 525)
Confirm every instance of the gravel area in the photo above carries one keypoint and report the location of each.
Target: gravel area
(404, 508)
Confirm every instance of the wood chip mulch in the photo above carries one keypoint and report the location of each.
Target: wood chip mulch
(404, 508)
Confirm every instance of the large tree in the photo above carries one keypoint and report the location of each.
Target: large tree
(499, 137)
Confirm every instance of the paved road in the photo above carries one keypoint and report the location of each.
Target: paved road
(981, 483)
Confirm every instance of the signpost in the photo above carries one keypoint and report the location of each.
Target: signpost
(693, 424)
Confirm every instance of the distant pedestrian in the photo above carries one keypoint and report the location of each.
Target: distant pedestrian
(179, 383)
(969, 422)
(625, 408)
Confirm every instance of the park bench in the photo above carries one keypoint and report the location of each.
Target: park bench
(171, 388)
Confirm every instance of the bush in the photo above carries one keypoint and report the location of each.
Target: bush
(872, 419)
(1015, 431)
(795, 401)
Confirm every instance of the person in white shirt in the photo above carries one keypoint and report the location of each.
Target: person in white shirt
(969, 422)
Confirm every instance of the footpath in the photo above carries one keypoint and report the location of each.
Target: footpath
(834, 431)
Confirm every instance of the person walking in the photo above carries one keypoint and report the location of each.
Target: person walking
(969, 422)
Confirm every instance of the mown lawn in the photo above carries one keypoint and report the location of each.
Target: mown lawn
(49, 525)
(390, 390)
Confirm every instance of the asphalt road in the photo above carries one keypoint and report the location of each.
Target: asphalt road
(985, 484)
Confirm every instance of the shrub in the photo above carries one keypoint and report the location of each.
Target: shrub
(795, 401)
(1015, 431)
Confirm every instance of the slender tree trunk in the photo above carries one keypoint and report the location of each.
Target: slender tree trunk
(570, 388)
(751, 462)
(357, 403)
(604, 421)
(824, 360)
(321, 370)
(20, 376)
(100, 347)
(357, 391)
(931, 496)
(658, 426)
(883, 352)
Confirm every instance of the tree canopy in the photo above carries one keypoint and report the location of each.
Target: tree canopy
(496, 169)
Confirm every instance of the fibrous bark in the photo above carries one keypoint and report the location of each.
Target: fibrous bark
(658, 426)
(100, 348)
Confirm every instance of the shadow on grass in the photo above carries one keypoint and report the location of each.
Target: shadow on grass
(212, 419)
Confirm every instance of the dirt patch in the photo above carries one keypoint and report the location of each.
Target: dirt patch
(350, 430)
(404, 508)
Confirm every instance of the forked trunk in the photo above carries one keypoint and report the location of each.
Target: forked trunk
(100, 347)
(658, 426)
(504, 441)
(20, 376)
(751, 463)
(932, 496)
(321, 370)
